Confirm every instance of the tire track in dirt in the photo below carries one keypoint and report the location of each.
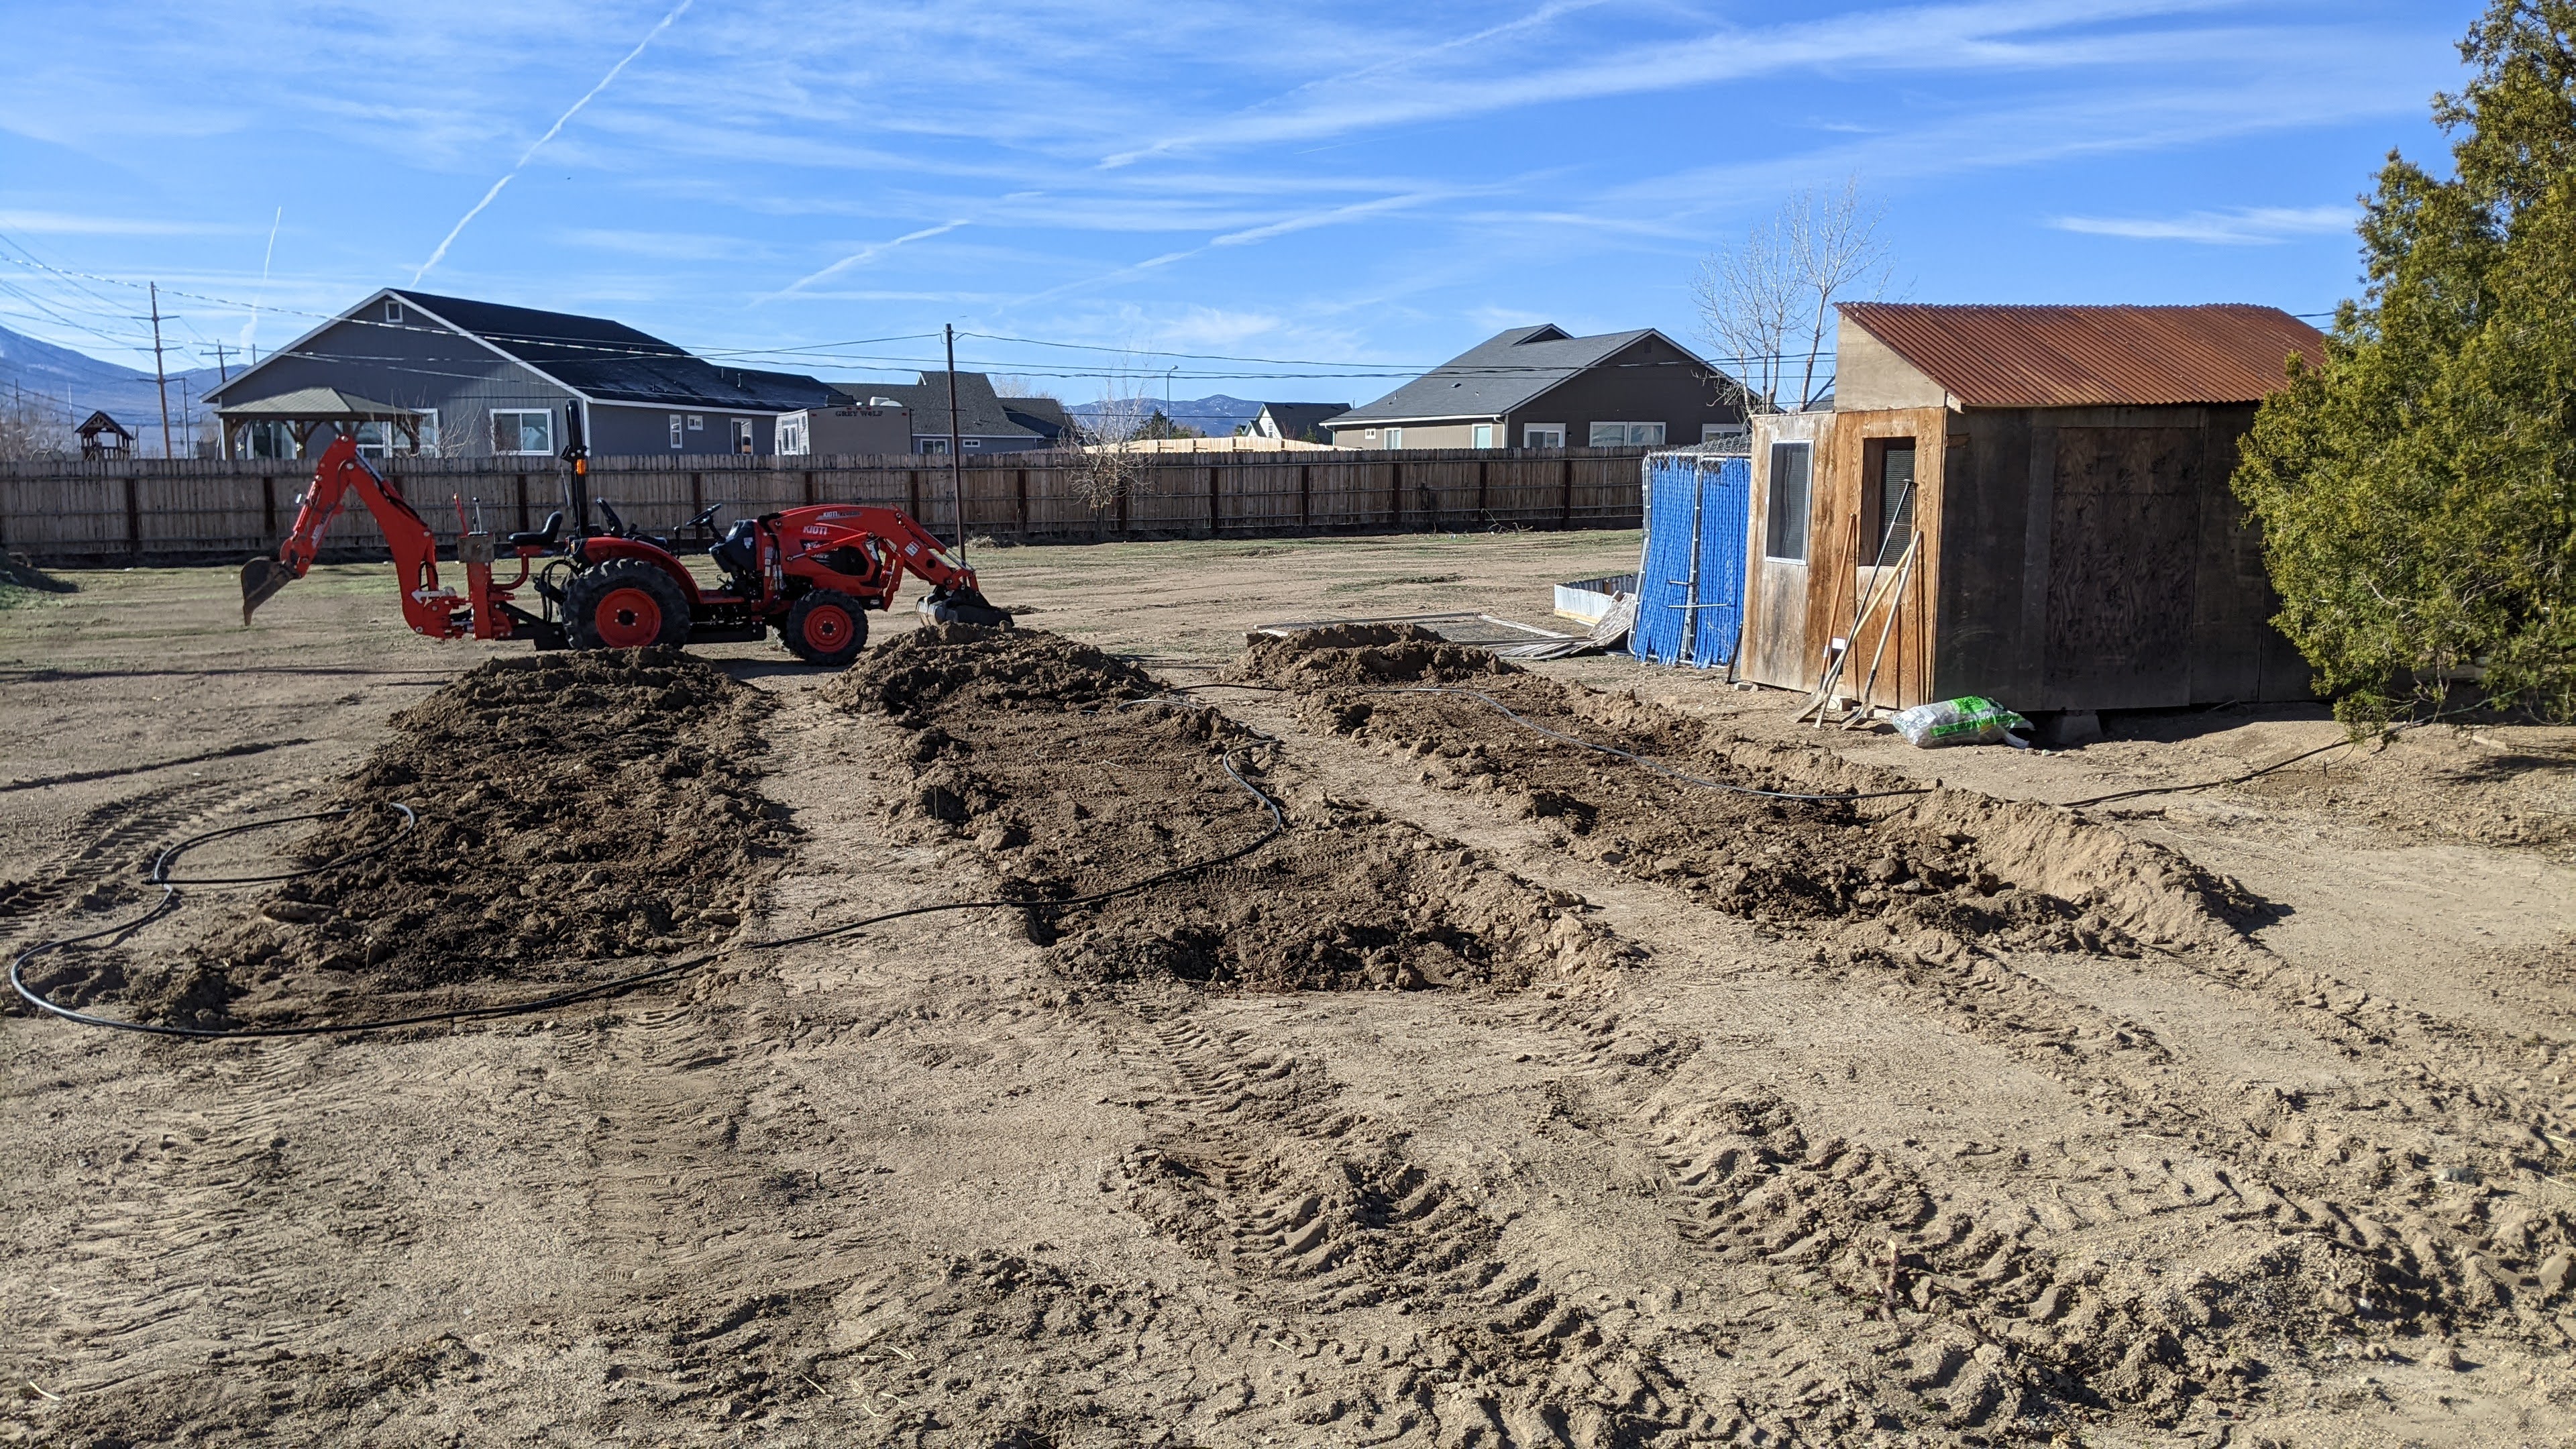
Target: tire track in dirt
(2360, 1269)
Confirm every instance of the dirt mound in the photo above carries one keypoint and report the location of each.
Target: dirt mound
(17, 576)
(1931, 867)
(582, 806)
(1348, 655)
(966, 666)
(1074, 787)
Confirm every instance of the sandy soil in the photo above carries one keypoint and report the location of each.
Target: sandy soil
(1508, 1096)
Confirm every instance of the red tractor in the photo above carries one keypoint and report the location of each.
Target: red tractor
(809, 573)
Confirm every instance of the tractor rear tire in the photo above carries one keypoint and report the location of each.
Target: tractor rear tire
(825, 628)
(626, 603)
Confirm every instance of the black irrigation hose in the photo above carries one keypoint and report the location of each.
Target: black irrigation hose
(2256, 774)
(1640, 760)
(159, 875)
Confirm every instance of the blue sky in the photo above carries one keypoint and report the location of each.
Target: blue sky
(1370, 187)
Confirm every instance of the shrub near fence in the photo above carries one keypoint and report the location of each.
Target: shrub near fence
(194, 510)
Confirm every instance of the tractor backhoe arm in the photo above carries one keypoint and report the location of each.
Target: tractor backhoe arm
(339, 472)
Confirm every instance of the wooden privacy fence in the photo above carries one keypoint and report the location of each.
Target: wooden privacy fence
(191, 510)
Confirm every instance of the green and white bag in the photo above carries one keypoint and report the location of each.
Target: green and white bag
(1968, 720)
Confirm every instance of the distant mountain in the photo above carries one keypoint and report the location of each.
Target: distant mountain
(75, 384)
(1217, 416)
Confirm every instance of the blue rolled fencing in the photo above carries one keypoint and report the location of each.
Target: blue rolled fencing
(1690, 585)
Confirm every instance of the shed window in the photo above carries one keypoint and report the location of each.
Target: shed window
(1887, 499)
(1785, 518)
(529, 431)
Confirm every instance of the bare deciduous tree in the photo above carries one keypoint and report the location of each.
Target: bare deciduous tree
(1111, 463)
(1777, 289)
(32, 427)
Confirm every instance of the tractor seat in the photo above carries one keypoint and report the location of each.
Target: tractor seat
(540, 537)
(734, 553)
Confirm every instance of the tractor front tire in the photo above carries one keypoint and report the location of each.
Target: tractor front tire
(825, 628)
(626, 603)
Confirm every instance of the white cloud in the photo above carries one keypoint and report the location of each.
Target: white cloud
(2245, 226)
(61, 223)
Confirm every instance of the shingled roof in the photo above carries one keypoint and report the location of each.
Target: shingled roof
(2055, 357)
(1495, 376)
(613, 362)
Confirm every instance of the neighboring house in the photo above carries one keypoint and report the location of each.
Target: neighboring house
(986, 421)
(2062, 473)
(1297, 422)
(1537, 387)
(478, 379)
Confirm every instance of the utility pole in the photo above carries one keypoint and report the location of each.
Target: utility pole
(160, 376)
(226, 430)
(956, 477)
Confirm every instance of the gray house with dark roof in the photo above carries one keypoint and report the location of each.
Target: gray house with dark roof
(987, 422)
(1296, 422)
(415, 371)
(1538, 387)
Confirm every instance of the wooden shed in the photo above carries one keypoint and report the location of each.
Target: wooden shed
(2060, 476)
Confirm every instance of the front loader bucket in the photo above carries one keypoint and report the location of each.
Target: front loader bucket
(964, 606)
(261, 578)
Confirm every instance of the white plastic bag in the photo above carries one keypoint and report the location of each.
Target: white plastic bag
(1968, 720)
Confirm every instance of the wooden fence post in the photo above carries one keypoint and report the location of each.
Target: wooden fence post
(268, 507)
(1021, 485)
(134, 515)
(697, 494)
(1305, 495)
(1482, 504)
(811, 497)
(1395, 495)
(1565, 515)
(1213, 510)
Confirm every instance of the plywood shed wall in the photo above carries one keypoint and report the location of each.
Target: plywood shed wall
(2073, 558)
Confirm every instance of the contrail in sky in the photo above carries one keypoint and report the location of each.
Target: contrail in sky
(250, 334)
(864, 254)
(530, 154)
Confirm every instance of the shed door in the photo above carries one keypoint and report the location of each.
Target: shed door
(2122, 546)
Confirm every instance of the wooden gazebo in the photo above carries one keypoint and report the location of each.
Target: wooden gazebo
(308, 410)
(104, 438)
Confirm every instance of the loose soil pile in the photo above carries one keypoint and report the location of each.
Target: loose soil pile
(1919, 871)
(1359, 655)
(1072, 774)
(572, 808)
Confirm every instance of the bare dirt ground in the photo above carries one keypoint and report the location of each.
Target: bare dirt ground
(1508, 1094)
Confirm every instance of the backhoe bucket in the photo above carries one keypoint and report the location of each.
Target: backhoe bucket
(261, 578)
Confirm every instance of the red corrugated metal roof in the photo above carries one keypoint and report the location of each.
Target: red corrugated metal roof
(2054, 357)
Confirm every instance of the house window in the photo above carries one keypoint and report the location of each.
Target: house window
(675, 430)
(742, 435)
(1395, 437)
(523, 431)
(371, 439)
(971, 443)
(1484, 435)
(1627, 435)
(1784, 534)
(1543, 435)
(1723, 432)
(1887, 499)
(791, 434)
(932, 445)
(697, 422)
(429, 432)
(1370, 436)
(393, 312)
